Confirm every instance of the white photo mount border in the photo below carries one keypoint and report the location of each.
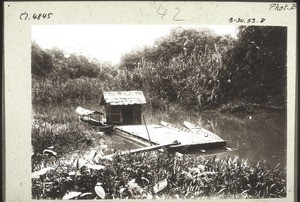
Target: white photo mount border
(20, 16)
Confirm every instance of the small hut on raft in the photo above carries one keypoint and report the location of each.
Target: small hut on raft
(123, 107)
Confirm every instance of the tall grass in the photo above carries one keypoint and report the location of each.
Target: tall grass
(69, 91)
(65, 136)
(190, 80)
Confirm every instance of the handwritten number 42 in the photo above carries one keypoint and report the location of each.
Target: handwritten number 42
(163, 12)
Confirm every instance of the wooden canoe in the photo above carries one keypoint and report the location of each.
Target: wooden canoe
(100, 125)
(86, 116)
(91, 121)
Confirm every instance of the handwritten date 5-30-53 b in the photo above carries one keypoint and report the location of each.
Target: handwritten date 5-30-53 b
(35, 16)
(247, 20)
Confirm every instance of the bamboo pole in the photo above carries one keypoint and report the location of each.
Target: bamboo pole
(143, 149)
(147, 130)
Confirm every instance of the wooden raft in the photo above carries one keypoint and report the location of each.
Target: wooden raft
(161, 135)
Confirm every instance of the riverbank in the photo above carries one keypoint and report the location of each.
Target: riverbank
(65, 164)
(64, 135)
(246, 107)
(232, 107)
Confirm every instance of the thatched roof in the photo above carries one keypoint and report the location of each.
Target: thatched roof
(123, 97)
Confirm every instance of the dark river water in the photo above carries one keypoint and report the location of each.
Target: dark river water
(256, 137)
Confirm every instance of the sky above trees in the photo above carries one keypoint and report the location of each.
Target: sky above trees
(106, 42)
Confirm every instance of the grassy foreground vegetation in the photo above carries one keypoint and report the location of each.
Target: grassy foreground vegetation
(62, 134)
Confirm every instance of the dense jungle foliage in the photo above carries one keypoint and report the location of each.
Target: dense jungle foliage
(193, 68)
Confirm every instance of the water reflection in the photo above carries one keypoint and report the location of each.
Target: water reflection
(257, 137)
(119, 143)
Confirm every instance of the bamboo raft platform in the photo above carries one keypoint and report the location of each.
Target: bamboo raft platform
(161, 135)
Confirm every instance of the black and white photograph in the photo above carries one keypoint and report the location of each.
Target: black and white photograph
(157, 111)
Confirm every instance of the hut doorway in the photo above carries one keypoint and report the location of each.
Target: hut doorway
(127, 114)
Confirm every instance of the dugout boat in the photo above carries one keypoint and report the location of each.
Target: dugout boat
(94, 118)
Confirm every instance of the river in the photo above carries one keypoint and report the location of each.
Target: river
(256, 137)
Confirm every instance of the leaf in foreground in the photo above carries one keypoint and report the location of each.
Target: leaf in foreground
(96, 167)
(71, 194)
(49, 151)
(99, 190)
(222, 190)
(43, 171)
(160, 185)
(79, 163)
(84, 195)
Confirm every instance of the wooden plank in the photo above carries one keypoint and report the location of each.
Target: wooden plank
(176, 127)
(134, 138)
(143, 149)
(200, 130)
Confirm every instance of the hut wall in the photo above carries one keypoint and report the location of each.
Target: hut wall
(116, 115)
(123, 114)
(137, 114)
(108, 113)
